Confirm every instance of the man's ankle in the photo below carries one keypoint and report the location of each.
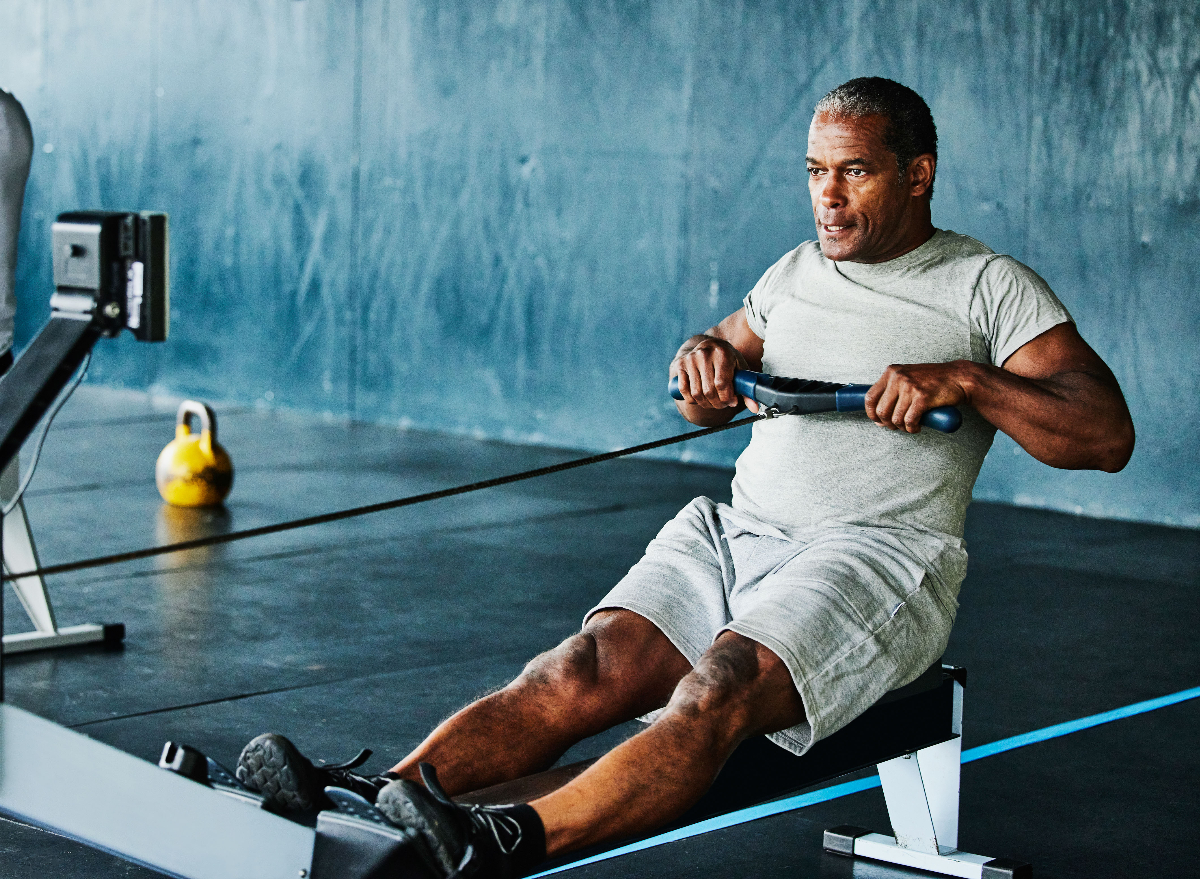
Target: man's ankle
(530, 850)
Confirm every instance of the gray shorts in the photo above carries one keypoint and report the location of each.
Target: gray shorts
(852, 611)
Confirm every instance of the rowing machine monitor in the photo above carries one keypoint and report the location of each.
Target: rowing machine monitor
(113, 268)
(110, 273)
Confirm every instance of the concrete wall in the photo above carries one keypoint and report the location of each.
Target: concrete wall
(503, 217)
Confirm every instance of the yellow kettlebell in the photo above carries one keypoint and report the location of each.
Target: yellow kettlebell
(194, 471)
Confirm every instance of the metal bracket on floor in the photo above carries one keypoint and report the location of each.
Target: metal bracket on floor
(922, 793)
(20, 554)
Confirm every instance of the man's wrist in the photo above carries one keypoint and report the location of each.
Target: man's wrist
(689, 346)
(969, 376)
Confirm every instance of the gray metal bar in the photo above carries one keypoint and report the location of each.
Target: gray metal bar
(61, 780)
(28, 389)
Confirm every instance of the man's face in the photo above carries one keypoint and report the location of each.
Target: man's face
(864, 212)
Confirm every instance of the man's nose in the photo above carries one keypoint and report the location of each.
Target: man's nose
(831, 193)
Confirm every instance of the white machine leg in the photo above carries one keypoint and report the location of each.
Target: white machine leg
(922, 792)
(906, 793)
(940, 771)
(20, 554)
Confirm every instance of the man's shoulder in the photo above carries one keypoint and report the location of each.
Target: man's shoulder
(801, 260)
(808, 252)
(952, 246)
(978, 265)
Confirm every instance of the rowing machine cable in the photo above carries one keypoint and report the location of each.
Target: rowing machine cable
(212, 540)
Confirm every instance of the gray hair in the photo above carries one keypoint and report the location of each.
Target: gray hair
(910, 131)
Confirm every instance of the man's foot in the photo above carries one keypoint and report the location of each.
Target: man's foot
(290, 782)
(465, 840)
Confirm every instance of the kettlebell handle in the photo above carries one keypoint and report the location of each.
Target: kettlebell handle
(208, 420)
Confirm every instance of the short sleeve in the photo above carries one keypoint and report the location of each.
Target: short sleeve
(766, 293)
(1011, 306)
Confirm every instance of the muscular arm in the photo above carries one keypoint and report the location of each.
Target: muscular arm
(705, 365)
(1054, 396)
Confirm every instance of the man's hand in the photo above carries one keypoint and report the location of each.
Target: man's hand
(705, 365)
(706, 370)
(1054, 396)
(905, 393)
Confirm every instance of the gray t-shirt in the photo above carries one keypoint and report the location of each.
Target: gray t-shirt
(950, 299)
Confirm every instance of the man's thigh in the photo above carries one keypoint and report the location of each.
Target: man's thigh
(852, 615)
(680, 583)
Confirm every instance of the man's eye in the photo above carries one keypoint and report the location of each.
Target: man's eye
(855, 172)
(813, 172)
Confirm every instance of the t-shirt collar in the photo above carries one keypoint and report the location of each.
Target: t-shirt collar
(904, 262)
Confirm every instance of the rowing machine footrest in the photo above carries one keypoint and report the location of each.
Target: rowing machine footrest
(184, 760)
(355, 841)
(840, 840)
(1006, 868)
(191, 764)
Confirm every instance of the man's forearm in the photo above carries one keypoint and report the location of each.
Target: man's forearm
(1074, 420)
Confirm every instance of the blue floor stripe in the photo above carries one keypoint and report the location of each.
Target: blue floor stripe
(1062, 729)
(824, 795)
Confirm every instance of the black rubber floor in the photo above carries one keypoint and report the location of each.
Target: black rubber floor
(366, 632)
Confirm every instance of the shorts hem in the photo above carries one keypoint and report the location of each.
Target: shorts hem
(691, 653)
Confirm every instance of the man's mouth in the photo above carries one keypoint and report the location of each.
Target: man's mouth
(832, 230)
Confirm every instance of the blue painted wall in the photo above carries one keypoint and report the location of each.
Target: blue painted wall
(503, 217)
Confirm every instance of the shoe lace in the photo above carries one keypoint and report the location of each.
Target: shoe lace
(502, 827)
(342, 775)
(488, 819)
(354, 763)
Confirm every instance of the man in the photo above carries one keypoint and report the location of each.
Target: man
(833, 576)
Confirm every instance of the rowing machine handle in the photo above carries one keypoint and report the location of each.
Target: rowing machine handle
(745, 381)
(945, 419)
(820, 397)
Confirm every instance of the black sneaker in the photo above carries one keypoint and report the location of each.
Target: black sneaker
(463, 840)
(290, 782)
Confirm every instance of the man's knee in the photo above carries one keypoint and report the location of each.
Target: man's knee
(721, 680)
(742, 686)
(571, 667)
(620, 663)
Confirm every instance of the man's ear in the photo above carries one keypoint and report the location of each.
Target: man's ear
(920, 174)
